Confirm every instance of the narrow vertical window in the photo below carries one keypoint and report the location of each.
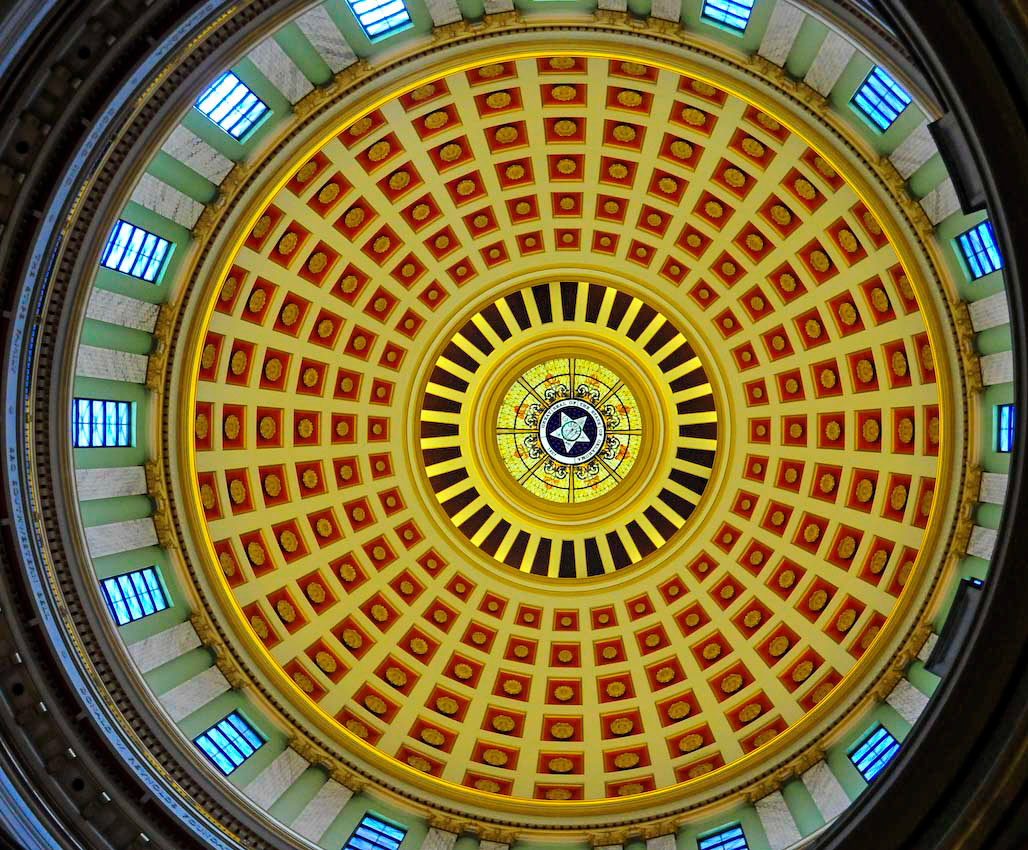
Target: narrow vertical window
(874, 751)
(230, 104)
(373, 833)
(379, 18)
(229, 742)
(100, 423)
(728, 838)
(733, 14)
(881, 98)
(1006, 427)
(132, 596)
(978, 247)
(136, 252)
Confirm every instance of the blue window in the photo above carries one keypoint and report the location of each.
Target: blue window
(230, 104)
(733, 14)
(978, 245)
(132, 596)
(881, 98)
(874, 752)
(729, 838)
(100, 422)
(137, 252)
(1006, 427)
(373, 833)
(379, 18)
(229, 742)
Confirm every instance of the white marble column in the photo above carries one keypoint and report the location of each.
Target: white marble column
(926, 649)
(118, 309)
(164, 199)
(192, 151)
(777, 820)
(109, 482)
(118, 537)
(941, 202)
(982, 542)
(997, 368)
(666, 10)
(780, 35)
(111, 365)
(323, 808)
(323, 34)
(989, 312)
(993, 488)
(914, 151)
(908, 701)
(831, 60)
(194, 694)
(439, 839)
(151, 652)
(661, 842)
(272, 782)
(828, 794)
(282, 72)
(444, 12)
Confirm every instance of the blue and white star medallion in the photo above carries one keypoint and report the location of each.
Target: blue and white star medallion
(572, 431)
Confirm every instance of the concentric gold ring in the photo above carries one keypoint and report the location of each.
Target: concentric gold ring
(631, 518)
(807, 506)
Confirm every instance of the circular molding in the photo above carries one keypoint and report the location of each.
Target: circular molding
(857, 366)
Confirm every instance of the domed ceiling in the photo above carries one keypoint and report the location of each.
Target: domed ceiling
(565, 427)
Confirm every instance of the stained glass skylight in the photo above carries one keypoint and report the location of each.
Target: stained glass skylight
(729, 838)
(881, 98)
(733, 14)
(134, 251)
(1006, 427)
(379, 18)
(874, 752)
(230, 104)
(132, 596)
(373, 833)
(229, 742)
(100, 422)
(978, 247)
